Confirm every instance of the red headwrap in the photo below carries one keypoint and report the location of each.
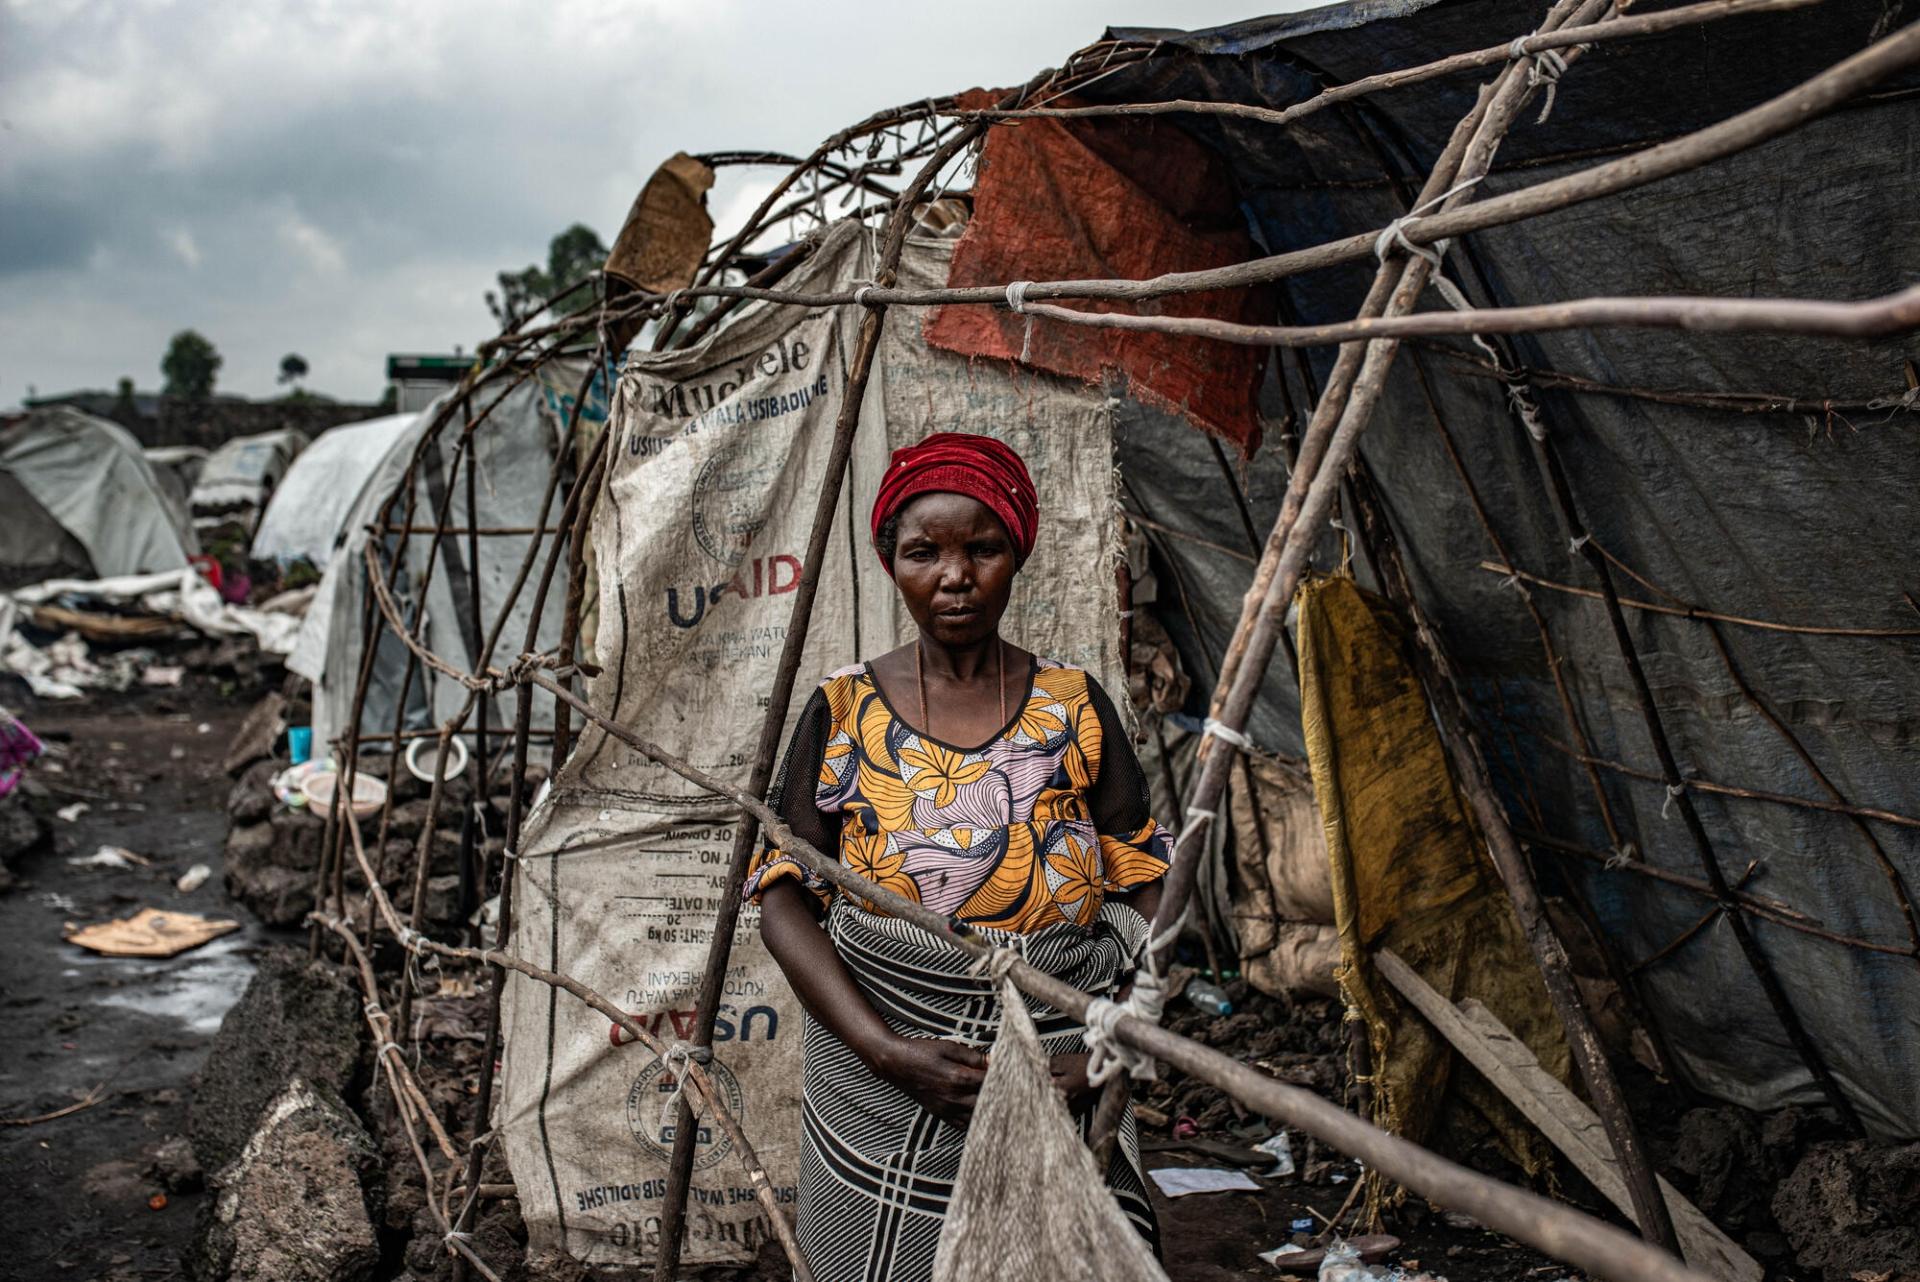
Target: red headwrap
(958, 463)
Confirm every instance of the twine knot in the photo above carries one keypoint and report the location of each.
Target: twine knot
(1107, 1055)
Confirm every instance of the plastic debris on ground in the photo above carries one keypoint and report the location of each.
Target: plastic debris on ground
(194, 878)
(1280, 1149)
(18, 746)
(1343, 1264)
(1372, 1249)
(110, 857)
(151, 933)
(1180, 1181)
(70, 813)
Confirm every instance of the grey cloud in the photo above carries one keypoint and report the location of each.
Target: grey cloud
(352, 176)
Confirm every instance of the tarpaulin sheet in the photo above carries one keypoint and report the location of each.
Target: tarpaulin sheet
(1109, 198)
(1797, 520)
(91, 477)
(1409, 872)
(717, 455)
(308, 511)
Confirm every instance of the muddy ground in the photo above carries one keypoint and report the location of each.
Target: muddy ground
(83, 1199)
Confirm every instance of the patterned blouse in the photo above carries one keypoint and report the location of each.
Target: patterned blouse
(1032, 828)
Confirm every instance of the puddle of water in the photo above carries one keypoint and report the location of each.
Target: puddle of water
(197, 989)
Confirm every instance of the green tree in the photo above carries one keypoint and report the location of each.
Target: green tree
(190, 366)
(573, 255)
(293, 367)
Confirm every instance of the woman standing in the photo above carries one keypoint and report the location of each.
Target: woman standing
(983, 782)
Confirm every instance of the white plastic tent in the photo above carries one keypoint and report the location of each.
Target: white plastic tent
(310, 505)
(91, 476)
(516, 446)
(245, 470)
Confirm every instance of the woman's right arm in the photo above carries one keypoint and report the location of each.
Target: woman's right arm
(944, 1076)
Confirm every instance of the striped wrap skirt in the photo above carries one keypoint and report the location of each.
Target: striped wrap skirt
(877, 1169)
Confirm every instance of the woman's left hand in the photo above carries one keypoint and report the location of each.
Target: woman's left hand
(1070, 1077)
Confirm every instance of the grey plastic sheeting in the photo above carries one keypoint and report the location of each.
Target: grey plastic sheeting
(90, 475)
(1789, 517)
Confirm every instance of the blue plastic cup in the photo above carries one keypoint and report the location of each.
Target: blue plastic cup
(300, 743)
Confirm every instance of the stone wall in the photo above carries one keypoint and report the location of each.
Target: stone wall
(212, 423)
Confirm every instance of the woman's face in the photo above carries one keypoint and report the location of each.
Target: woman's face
(954, 565)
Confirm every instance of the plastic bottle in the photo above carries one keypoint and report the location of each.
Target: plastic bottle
(1207, 997)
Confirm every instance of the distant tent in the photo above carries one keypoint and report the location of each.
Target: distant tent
(310, 505)
(178, 467)
(516, 448)
(90, 476)
(242, 475)
(33, 546)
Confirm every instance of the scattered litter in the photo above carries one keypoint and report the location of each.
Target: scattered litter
(1185, 1128)
(1339, 1177)
(194, 878)
(203, 728)
(1179, 1181)
(1280, 1149)
(18, 746)
(151, 933)
(1210, 998)
(110, 857)
(1372, 1249)
(1304, 1225)
(70, 813)
(162, 676)
(1344, 1262)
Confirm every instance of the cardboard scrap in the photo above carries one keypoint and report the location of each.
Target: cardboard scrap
(151, 933)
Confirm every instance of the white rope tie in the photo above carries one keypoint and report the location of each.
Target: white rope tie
(457, 1235)
(1196, 819)
(1621, 857)
(1674, 792)
(1909, 401)
(1574, 545)
(678, 1058)
(391, 1046)
(860, 294)
(995, 964)
(1226, 734)
(1107, 1055)
(1395, 233)
(1521, 399)
(1548, 66)
(1017, 301)
(1513, 581)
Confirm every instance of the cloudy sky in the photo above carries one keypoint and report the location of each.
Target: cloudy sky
(342, 179)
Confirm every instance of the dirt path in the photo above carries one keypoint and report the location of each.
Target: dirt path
(78, 1187)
